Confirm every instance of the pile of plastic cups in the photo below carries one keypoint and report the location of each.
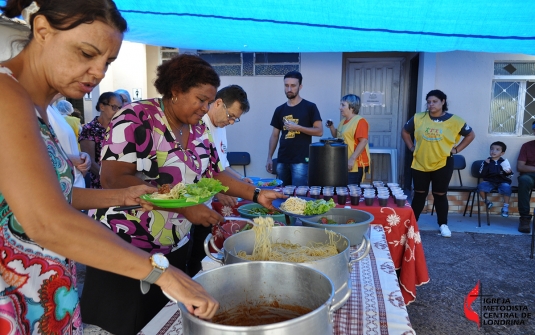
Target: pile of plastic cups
(288, 190)
(354, 194)
(315, 192)
(328, 192)
(301, 191)
(341, 195)
(398, 194)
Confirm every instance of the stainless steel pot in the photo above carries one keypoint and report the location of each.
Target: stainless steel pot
(353, 231)
(262, 282)
(337, 268)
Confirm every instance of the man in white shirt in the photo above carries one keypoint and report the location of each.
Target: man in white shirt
(229, 105)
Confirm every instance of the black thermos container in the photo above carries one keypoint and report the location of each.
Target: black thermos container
(327, 165)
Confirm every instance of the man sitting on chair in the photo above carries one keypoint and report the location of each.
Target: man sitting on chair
(526, 181)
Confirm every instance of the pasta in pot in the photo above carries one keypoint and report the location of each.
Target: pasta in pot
(265, 250)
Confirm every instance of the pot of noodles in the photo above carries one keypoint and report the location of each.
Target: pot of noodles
(320, 249)
(265, 298)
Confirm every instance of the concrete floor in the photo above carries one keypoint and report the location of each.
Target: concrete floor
(497, 256)
(466, 224)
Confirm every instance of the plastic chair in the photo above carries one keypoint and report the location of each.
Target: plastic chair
(476, 166)
(459, 163)
(239, 158)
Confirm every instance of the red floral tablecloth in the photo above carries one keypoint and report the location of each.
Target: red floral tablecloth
(404, 243)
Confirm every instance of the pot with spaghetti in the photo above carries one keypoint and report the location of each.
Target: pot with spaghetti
(320, 249)
(257, 298)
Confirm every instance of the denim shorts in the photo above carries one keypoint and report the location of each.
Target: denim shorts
(487, 186)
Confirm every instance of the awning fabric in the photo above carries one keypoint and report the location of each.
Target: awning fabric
(333, 25)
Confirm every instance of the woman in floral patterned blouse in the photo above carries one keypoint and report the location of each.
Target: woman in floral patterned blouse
(156, 142)
(92, 136)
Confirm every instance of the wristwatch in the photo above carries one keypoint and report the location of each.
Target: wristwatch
(160, 264)
(256, 194)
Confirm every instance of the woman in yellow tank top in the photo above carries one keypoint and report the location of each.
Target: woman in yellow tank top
(353, 129)
(437, 136)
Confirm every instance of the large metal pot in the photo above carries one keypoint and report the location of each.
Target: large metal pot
(264, 282)
(337, 268)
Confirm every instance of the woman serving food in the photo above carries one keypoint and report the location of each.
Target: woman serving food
(156, 142)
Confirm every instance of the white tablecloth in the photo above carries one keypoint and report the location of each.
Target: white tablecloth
(375, 306)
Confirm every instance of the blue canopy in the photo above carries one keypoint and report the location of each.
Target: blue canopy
(333, 25)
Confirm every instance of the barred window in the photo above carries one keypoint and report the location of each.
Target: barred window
(513, 98)
(252, 63)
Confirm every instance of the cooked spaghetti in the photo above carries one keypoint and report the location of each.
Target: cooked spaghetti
(294, 205)
(265, 250)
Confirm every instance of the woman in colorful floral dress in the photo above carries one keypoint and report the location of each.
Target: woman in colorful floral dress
(93, 133)
(42, 229)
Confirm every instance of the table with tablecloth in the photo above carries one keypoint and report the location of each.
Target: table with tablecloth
(402, 235)
(376, 304)
(404, 242)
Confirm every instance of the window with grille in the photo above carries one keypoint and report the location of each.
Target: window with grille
(252, 63)
(513, 98)
(166, 53)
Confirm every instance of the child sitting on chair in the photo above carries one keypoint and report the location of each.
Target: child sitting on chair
(496, 172)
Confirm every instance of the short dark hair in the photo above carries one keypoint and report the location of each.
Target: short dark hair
(353, 102)
(68, 14)
(500, 144)
(105, 98)
(182, 72)
(441, 95)
(233, 93)
(294, 74)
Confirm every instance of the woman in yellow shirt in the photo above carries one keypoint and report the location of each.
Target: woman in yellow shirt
(437, 136)
(353, 129)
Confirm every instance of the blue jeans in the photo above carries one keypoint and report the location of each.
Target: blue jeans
(356, 177)
(293, 174)
(525, 184)
(487, 187)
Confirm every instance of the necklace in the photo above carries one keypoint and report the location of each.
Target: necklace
(180, 130)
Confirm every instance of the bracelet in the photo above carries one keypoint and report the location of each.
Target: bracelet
(456, 151)
(412, 148)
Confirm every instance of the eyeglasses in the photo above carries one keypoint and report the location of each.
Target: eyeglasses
(113, 107)
(231, 118)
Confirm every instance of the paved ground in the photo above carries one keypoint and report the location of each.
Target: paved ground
(496, 255)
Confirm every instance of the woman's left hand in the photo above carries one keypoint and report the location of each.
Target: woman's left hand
(266, 197)
(131, 195)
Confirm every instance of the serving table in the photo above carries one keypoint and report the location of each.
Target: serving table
(376, 304)
(402, 234)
